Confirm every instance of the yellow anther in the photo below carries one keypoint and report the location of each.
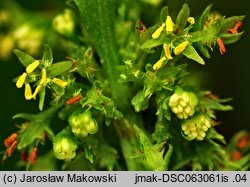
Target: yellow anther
(166, 48)
(156, 34)
(59, 82)
(180, 48)
(21, 80)
(31, 67)
(159, 63)
(37, 90)
(169, 25)
(43, 77)
(27, 92)
(191, 20)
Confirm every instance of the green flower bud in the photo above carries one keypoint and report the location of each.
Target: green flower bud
(82, 123)
(196, 127)
(64, 23)
(183, 103)
(64, 145)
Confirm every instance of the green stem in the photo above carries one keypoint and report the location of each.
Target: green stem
(98, 17)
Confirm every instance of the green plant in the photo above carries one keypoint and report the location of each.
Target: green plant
(109, 80)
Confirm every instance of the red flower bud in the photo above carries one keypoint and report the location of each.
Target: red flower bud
(236, 155)
(11, 149)
(234, 30)
(24, 156)
(73, 100)
(221, 45)
(242, 142)
(8, 141)
(32, 156)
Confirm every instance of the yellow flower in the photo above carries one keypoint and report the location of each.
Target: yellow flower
(156, 34)
(59, 82)
(31, 67)
(196, 127)
(43, 77)
(191, 20)
(37, 90)
(183, 103)
(21, 80)
(166, 48)
(158, 64)
(27, 92)
(180, 48)
(169, 25)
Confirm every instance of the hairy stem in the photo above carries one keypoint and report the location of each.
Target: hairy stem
(98, 18)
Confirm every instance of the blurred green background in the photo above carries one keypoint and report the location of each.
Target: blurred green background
(227, 75)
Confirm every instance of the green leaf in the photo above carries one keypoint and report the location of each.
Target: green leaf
(230, 22)
(196, 36)
(204, 15)
(213, 134)
(23, 57)
(181, 19)
(59, 68)
(203, 49)
(231, 38)
(152, 156)
(140, 102)
(161, 133)
(95, 98)
(192, 54)
(164, 13)
(88, 153)
(214, 104)
(37, 124)
(49, 132)
(153, 43)
(59, 91)
(108, 157)
(162, 107)
(33, 131)
(47, 55)
(24, 116)
(42, 97)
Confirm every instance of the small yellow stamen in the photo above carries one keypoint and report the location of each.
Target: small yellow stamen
(156, 34)
(169, 25)
(37, 90)
(31, 67)
(27, 92)
(159, 63)
(180, 48)
(191, 20)
(166, 48)
(43, 77)
(59, 82)
(21, 80)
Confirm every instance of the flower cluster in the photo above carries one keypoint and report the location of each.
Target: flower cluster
(177, 47)
(82, 123)
(196, 127)
(64, 145)
(183, 103)
(36, 72)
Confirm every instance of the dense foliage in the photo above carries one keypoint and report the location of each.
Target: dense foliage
(123, 94)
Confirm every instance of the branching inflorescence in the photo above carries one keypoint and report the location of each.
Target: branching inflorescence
(103, 101)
